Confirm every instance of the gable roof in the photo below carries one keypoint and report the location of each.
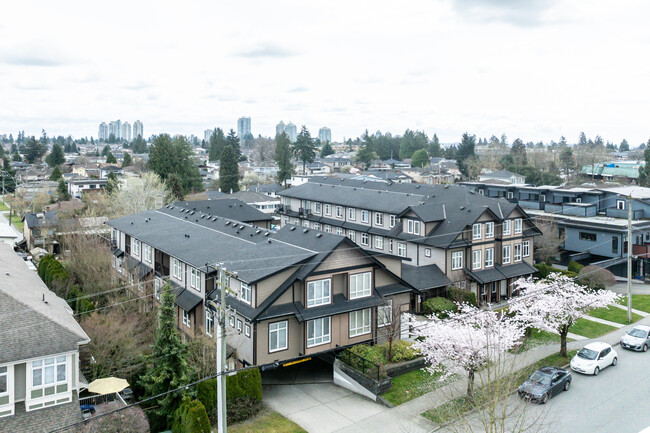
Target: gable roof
(226, 208)
(40, 219)
(44, 325)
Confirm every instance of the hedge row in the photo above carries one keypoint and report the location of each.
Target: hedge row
(51, 270)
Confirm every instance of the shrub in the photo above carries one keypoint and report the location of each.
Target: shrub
(373, 354)
(542, 270)
(403, 351)
(462, 296)
(574, 267)
(596, 278)
(191, 417)
(242, 409)
(441, 307)
(206, 393)
(250, 383)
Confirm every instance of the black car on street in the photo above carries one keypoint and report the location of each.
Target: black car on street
(544, 384)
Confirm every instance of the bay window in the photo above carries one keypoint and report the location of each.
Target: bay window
(360, 322)
(49, 376)
(319, 331)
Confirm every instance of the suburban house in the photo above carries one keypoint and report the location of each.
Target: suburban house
(503, 176)
(291, 294)
(108, 169)
(39, 228)
(270, 189)
(619, 171)
(591, 221)
(39, 360)
(77, 188)
(445, 234)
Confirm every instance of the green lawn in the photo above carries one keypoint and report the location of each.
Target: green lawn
(590, 329)
(411, 385)
(457, 407)
(266, 421)
(639, 302)
(538, 338)
(613, 314)
(15, 220)
(3, 207)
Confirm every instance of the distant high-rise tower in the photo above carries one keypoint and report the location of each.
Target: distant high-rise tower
(137, 129)
(325, 134)
(117, 125)
(103, 132)
(207, 134)
(126, 131)
(243, 127)
(279, 128)
(291, 131)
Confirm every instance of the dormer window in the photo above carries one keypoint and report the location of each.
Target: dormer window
(352, 214)
(413, 226)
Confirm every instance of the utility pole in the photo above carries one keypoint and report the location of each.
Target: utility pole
(220, 321)
(629, 259)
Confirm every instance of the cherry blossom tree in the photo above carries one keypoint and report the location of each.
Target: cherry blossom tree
(554, 303)
(466, 341)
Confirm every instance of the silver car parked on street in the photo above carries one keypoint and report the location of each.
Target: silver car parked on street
(637, 338)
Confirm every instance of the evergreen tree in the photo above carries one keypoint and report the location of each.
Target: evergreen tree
(582, 139)
(434, 147)
(175, 187)
(233, 141)
(411, 142)
(466, 151)
(228, 171)
(420, 158)
(56, 174)
(127, 160)
(624, 147)
(518, 152)
(167, 156)
(62, 191)
(167, 368)
(139, 145)
(217, 143)
(644, 170)
(365, 154)
(566, 159)
(326, 150)
(34, 149)
(16, 157)
(283, 157)
(110, 159)
(56, 156)
(304, 148)
(106, 150)
(111, 184)
(7, 176)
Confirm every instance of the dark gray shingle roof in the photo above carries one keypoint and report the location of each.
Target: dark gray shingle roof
(226, 208)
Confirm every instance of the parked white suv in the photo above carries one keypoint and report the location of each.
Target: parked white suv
(594, 357)
(637, 338)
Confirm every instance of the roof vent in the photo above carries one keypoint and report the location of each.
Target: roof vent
(292, 228)
(192, 213)
(167, 206)
(131, 222)
(257, 232)
(171, 207)
(305, 230)
(251, 235)
(462, 207)
(417, 186)
(471, 191)
(267, 233)
(193, 208)
(446, 186)
(237, 232)
(229, 205)
(319, 235)
(227, 223)
(214, 218)
(202, 216)
(268, 240)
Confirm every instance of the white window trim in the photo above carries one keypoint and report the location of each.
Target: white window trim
(319, 340)
(186, 318)
(518, 226)
(393, 221)
(247, 330)
(401, 246)
(364, 216)
(135, 247)
(322, 300)
(456, 255)
(477, 259)
(176, 266)
(352, 235)
(246, 293)
(366, 285)
(328, 209)
(317, 208)
(505, 259)
(379, 242)
(379, 219)
(339, 212)
(490, 263)
(516, 257)
(195, 279)
(385, 313)
(352, 214)
(364, 239)
(365, 328)
(209, 322)
(507, 227)
(525, 249)
(274, 334)
(148, 256)
(489, 234)
(477, 232)
(427, 252)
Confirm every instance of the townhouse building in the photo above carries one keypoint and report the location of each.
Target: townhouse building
(444, 234)
(291, 294)
(39, 359)
(591, 221)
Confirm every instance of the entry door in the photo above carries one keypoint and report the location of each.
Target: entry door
(494, 296)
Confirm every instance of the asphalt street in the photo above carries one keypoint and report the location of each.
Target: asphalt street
(615, 401)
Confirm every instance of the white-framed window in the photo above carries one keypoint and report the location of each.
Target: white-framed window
(456, 260)
(413, 226)
(231, 321)
(195, 279)
(339, 231)
(307, 206)
(319, 331)
(360, 322)
(364, 216)
(385, 313)
(247, 330)
(296, 221)
(240, 325)
(186, 318)
(352, 213)
(286, 220)
(319, 292)
(317, 208)
(328, 209)
(620, 204)
(246, 293)
(364, 239)
(360, 285)
(518, 226)
(393, 220)
(328, 228)
(339, 212)
(379, 219)
(542, 198)
(401, 249)
(114, 235)
(177, 269)
(316, 226)
(579, 200)
(476, 259)
(505, 259)
(526, 248)
(489, 230)
(209, 322)
(278, 336)
(489, 257)
(510, 194)
(352, 235)
(379, 242)
(390, 245)
(427, 252)
(305, 223)
(48, 372)
(4, 379)
(135, 247)
(156, 288)
(119, 265)
(517, 253)
(148, 257)
(476, 231)
(506, 227)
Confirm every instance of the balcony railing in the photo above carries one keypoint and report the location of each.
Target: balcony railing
(622, 213)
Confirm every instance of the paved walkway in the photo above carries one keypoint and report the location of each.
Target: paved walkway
(624, 307)
(604, 322)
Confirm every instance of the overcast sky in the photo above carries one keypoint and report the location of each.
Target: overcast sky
(535, 69)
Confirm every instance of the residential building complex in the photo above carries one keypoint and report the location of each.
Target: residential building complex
(121, 131)
(291, 294)
(290, 129)
(138, 129)
(243, 127)
(325, 134)
(39, 360)
(103, 132)
(444, 234)
(126, 131)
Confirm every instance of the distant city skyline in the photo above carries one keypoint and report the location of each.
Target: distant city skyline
(535, 70)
